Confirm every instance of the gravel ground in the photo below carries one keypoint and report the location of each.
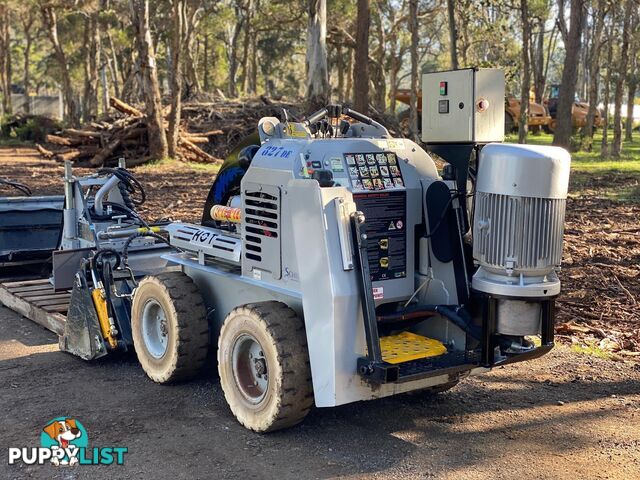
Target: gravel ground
(564, 416)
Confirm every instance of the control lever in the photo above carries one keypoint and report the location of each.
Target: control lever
(344, 127)
(314, 117)
(357, 116)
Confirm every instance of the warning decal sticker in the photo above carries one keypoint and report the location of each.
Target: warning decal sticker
(385, 220)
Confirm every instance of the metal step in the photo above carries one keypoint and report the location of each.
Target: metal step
(445, 364)
(407, 346)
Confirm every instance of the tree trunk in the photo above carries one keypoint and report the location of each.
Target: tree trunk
(616, 145)
(393, 83)
(453, 34)
(190, 24)
(246, 44)
(539, 79)
(340, 66)
(205, 64)
(348, 88)
(50, 22)
(564, 125)
(594, 75)
(604, 148)
(233, 52)
(379, 81)
(632, 88)
(104, 81)
(5, 58)
(361, 67)
(523, 121)
(27, 25)
(91, 63)
(318, 92)
(395, 61)
(413, 99)
(175, 76)
(149, 78)
(115, 67)
(253, 79)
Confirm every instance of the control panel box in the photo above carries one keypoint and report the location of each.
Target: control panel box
(463, 106)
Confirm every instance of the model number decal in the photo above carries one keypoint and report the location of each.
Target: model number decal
(278, 152)
(202, 236)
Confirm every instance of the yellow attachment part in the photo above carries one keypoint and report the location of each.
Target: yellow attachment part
(407, 346)
(149, 230)
(100, 303)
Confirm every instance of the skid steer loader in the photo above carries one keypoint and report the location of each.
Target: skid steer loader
(334, 263)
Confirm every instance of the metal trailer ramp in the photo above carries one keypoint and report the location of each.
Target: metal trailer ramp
(37, 301)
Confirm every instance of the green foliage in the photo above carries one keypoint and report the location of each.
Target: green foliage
(28, 129)
(592, 349)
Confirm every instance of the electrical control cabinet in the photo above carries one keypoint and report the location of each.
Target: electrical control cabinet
(463, 106)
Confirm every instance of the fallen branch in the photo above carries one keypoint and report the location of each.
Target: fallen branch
(124, 107)
(48, 154)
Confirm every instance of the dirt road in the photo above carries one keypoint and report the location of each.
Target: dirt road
(509, 423)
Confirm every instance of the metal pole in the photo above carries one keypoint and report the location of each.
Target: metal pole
(70, 228)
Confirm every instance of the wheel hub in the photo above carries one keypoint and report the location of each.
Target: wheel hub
(250, 369)
(155, 331)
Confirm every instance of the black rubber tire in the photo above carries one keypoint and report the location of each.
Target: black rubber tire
(281, 335)
(188, 330)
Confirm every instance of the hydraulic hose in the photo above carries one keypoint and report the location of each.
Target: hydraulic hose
(454, 313)
(460, 322)
(127, 243)
(24, 189)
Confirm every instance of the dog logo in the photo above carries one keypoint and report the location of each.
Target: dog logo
(64, 442)
(66, 435)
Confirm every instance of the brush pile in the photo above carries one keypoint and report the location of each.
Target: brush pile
(226, 122)
(210, 129)
(124, 134)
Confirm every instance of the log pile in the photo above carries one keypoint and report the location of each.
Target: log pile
(226, 122)
(210, 130)
(102, 142)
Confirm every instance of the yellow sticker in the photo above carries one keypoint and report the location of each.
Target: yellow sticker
(396, 144)
(297, 130)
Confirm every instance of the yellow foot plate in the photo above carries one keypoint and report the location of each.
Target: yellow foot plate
(407, 346)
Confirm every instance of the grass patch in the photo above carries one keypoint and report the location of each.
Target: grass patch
(15, 142)
(172, 164)
(591, 349)
(616, 179)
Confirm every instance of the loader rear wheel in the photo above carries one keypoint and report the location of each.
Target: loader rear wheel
(264, 366)
(169, 327)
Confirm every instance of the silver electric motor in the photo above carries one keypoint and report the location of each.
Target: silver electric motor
(520, 205)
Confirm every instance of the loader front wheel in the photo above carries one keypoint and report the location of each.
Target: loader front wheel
(169, 327)
(264, 366)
